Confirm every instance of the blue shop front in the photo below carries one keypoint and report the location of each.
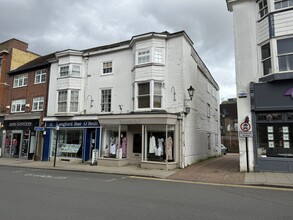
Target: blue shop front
(75, 140)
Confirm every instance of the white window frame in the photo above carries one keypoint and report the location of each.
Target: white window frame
(143, 56)
(70, 70)
(152, 95)
(107, 70)
(40, 76)
(286, 55)
(20, 80)
(263, 8)
(106, 106)
(159, 55)
(38, 103)
(263, 60)
(280, 4)
(18, 105)
(70, 101)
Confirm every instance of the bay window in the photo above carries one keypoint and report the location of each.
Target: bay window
(150, 55)
(285, 54)
(149, 95)
(283, 4)
(70, 70)
(263, 8)
(68, 101)
(266, 59)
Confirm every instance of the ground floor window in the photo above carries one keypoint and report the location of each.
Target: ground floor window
(159, 141)
(69, 143)
(114, 142)
(275, 139)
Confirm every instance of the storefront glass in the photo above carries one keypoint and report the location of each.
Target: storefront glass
(69, 143)
(275, 135)
(114, 142)
(159, 143)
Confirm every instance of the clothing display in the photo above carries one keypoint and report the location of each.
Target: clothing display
(169, 145)
(160, 149)
(124, 145)
(152, 145)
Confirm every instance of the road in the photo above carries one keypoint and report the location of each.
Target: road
(48, 194)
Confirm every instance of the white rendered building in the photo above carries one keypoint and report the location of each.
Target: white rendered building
(130, 101)
(263, 32)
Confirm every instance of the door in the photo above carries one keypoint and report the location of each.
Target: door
(137, 147)
(16, 144)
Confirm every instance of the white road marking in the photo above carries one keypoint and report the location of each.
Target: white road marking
(45, 176)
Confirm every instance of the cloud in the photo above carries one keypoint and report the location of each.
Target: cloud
(55, 25)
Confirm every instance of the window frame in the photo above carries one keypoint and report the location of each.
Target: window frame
(263, 8)
(280, 3)
(18, 105)
(286, 54)
(106, 105)
(70, 70)
(152, 95)
(38, 101)
(40, 76)
(70, 105)
(264, 60)
(106, 70)
(20, 80)
(141, 56)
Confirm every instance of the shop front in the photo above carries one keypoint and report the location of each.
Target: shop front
(148, 140)
(74, 140)
(272, 111)
(20, 138)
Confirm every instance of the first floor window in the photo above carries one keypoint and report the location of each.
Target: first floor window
(106, 100)
(285, 54)
(20, 80)
(70, 70)
(263, 8)
(283, 4)
(149, 95)
(38, 104)
(18, 105)
(143, 56)
(266, 59)
(68, 98)
(143, 96)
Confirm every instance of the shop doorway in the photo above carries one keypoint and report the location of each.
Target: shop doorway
(16, 140)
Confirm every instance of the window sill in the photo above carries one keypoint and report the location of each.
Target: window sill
(148, 64)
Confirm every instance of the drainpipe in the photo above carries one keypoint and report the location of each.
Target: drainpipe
(181, 155)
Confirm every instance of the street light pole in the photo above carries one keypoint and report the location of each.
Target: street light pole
(57, 129)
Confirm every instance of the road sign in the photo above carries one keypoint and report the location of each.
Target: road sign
(39, 128)
(245, 126)
(245, 134)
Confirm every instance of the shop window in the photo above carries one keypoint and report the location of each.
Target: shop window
(38, 104)
(40, 76)
(69, 143)
(159, 143)
(269, 117)
(285, 54)
(18, 105)
(20, 80)
(114, 146)
(266, 59)
(106, 100)
(290, 116)
(275, 140)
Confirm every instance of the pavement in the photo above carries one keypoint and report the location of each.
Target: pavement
(221, 170)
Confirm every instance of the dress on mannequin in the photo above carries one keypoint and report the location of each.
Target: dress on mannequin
(124, 144)
(169, 143)
(160, 147)
(152, 145)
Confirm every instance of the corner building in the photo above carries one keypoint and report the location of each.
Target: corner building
(130, 101)
(263, 32)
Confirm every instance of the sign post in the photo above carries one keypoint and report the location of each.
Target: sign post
(245, 127)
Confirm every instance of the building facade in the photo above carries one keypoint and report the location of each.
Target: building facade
(13, 54)
(25, 103)
(263, 33)
(130, 102)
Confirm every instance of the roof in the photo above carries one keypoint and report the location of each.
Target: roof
(34, 64)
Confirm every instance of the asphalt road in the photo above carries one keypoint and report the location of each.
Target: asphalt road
(41, 194)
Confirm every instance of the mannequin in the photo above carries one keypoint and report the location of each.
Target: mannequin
(160, 147)
(124, 145)
(152, 145)
(169, 143)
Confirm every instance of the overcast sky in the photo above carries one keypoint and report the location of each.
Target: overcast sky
(52, 25)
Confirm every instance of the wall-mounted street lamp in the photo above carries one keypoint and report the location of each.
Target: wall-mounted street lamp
(55, 153)
(4, 84)
(190, 91)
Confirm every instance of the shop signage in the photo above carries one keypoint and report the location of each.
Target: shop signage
(21, 125)
(244, 134)
(73, 124)
(289, 92)
(39, 128)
